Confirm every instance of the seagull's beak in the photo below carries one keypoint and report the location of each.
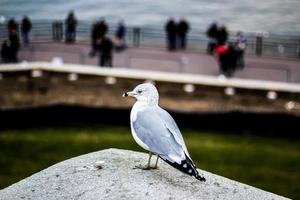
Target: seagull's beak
(129, 94)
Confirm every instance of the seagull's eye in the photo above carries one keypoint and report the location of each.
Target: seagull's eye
(139, 91)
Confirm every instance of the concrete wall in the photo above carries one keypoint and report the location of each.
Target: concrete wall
(35, 84)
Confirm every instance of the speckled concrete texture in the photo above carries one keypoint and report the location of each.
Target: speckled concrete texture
(110, 174)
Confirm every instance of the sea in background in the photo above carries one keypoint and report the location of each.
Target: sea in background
(274, 16)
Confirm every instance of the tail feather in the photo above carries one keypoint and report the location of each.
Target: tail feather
(187, 167)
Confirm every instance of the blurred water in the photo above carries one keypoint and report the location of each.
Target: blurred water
(248, 15)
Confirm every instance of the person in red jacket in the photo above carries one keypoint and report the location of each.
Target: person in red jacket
(227, 58)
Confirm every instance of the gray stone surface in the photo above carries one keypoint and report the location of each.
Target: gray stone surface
(109, 174)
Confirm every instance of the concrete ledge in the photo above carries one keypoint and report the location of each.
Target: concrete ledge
(40, 84)
(155, 76)
(109, 174)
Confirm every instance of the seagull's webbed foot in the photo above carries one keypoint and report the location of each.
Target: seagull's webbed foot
(142, 167)
(145, 167)
(148, 166)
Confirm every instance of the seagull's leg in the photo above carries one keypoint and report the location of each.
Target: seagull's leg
(155, 166)
(147, 167)
(149, 160)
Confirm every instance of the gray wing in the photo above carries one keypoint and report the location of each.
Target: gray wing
(150, 128)
(173, 128)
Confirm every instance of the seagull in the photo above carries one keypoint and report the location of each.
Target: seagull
(155, 130)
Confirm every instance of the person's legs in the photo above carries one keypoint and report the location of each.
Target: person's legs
(74, 36)
(101, 59)
(110, 63)
(107, 61)
(169, 42)
(14, 56)
(242, 60)
(183, 41)
(25, 39)
(172, 42)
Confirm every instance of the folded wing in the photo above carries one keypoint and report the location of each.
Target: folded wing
(150, 128)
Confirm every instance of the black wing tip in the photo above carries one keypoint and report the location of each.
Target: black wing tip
(201, 178)
(187, 167)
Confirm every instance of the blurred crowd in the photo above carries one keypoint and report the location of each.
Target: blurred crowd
(176, 34)
(11, 46)
(229, 55)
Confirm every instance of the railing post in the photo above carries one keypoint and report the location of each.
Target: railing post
(61, 30)
(299, 49)
(57, 30)
(259, 45)
(54, 30)
(136, 36)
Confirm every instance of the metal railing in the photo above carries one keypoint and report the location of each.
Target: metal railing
(275, 45)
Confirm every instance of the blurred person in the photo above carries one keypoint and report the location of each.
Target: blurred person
(227, 58)
(241, 42)
(102, 28)
(99, 29)
(221, 35)
(94, 36)
(25, 29)
(105, 52)
(212, 33)
(14, 46)
(5, 52)
(119, 41)
(183, 28)
(71, 23)
(171, 32)
(12, 26)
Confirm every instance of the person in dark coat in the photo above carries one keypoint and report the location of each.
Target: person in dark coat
(71, 23)
(14, 47)
(5, 52)
(106, 52)
(182, 30)
(227, 58)
(12, 26)
(212, 33)
(222, 35)
(120, 42)
(25, 29)
(99, 29)
(171, 32)
(94, 36)
(102, 28)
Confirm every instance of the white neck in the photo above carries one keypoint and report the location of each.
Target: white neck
(147, 100)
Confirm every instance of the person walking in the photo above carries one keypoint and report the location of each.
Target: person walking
(71, 23)
(227, 58)
(212, 33)
(25, 29)
(120, 42)
(106, 52)
(183, 28)
(171, 33)
(241, 42)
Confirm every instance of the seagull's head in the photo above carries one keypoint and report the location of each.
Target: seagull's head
(145, 92)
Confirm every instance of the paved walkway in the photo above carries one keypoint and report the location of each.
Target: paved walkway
(150, 58)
